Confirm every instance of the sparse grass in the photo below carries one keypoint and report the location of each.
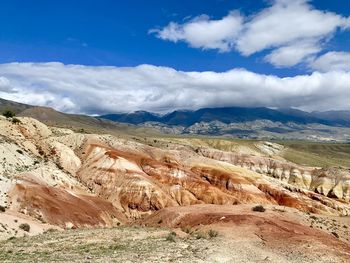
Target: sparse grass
(122, 244)
(317, 154)
(171, 237)
(50, 230)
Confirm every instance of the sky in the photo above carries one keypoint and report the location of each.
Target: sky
(97, 57)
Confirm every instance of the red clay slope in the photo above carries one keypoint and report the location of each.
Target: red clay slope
(59, 207)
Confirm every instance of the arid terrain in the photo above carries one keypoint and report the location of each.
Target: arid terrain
(175, 131)
(80, 196)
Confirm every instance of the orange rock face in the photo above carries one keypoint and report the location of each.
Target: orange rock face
(59, 207)
(87, 180)
(145, 180)
(137, 183)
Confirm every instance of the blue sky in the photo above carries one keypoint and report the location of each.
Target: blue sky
(261, 40)
(115, 33)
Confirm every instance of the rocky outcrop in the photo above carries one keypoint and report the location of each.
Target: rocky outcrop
(332, 182)
(140, 179)
(282, 170)
(67, 178)
(38, 178)
(65, 157)
(138, 184)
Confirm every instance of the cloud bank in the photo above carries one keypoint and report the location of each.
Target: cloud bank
(99, 90)
(292, 31)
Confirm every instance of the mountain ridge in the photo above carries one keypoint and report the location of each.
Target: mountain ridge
(229, 115)
(237, 122)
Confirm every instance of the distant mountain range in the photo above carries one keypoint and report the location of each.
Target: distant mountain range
(246, 123)
(230, 115)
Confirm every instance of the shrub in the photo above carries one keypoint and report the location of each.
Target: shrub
(200, 235)
(186, 229)
(258, 208)
(41, 152)
(213, 233)
(171, 237)
(2, 208)
(335, 234)
(19, 151)
(9, 114)
(15, 121)
(25, 227)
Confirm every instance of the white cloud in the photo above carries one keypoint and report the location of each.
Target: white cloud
(98, 90)
(283, 26)
(5, 85)
(285, 23)
(332, 61)
(201, 32)
(287, 56)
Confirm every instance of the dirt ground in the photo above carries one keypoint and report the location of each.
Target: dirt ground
(203, 243)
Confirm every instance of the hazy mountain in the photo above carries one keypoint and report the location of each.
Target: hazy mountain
(235, 115)
(342, 116)
(136, 117)
(248, 123)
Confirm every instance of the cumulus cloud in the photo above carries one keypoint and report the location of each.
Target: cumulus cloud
(284, 27)
(294, 54)
(332, 61)
(285, 23)
(99, 90)
(201, 32)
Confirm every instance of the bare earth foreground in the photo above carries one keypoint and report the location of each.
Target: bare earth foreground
(200, 233)
(69, 196)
